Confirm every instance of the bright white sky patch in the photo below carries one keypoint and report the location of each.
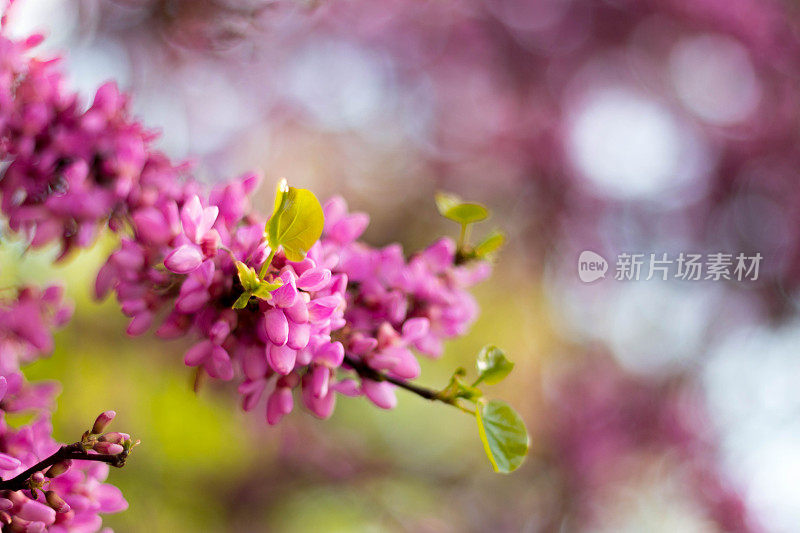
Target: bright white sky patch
(629, 146)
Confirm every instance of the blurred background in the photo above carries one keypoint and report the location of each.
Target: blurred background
(646, 126)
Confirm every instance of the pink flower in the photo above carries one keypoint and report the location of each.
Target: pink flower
(203, 242)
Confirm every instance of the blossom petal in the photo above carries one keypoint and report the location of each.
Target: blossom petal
(276, 326)
(184, 259)
(381, 393)
(281, 358)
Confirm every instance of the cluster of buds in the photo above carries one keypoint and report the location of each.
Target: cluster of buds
(113, 443)
(56, 494)
(64, 492)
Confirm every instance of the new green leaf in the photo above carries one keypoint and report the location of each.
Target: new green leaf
(252, 285)
(504, 436)
(247, 276)
(241, 301)
(493, 365)
(450, 206)
(467, 213)
(296, 222)
(490, 244)
(265, 288)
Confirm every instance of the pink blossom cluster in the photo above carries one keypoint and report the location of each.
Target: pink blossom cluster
(69, 168)
(181, 263)
(179, 267)
(27, 320)
(75, 494)
(395, 305)
(177, 261)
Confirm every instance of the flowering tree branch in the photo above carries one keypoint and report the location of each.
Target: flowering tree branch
(276, 310)
(69, 452)
(95, 445)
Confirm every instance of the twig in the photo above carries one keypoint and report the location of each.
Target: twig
(367, 372)
(73, 451)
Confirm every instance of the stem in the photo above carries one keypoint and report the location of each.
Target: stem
(72, 451)
(265, 266)
(462, 238)
(365, 371)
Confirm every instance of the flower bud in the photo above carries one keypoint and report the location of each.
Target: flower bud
(279, 403)
(108, 448)
(115, 437)
(348, 387)
(103, 421)
(56, 502)
(277, 327)
(381, 393)
(299, 335)
(58, 468)
(281, 358)
(320, 378)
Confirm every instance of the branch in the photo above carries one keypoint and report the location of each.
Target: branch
(365, 371)
(73, 451)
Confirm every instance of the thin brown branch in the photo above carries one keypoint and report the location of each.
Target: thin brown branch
(365, 371)
(73, 451)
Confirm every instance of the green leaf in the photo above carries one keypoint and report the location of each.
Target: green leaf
(296, 222)
(504, 436)
(265, 288)
(241, 301)
(493, 366)
(450, 206)
(490, 244)
(247, 276)
(467, 213)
